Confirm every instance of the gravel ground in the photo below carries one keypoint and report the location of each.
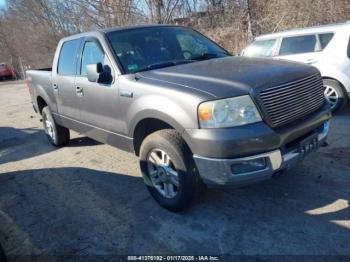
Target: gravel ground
(88, 199)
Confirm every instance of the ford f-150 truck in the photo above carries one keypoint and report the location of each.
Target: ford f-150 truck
(194, 114)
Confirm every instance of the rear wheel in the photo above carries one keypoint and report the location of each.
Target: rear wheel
(335, 94)
(169, 170)
(57, 135)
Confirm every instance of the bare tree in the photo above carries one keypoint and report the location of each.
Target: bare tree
(30, 29)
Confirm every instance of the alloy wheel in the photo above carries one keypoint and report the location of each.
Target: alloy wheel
(162, 173)
(332, 96)
(49, 129)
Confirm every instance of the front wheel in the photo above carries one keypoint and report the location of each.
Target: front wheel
(169, 170)
(57, 135)
(335, 94)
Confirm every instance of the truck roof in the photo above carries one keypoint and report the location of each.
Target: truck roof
(121, 28)
(315, 29)
(117, 28)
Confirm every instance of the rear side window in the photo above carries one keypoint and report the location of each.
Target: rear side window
(92, 54)
(298, 45)
(66, 62)
(325, 39)
(261, 48)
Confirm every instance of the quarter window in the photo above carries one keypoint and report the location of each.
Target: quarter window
(261, 48)
(298, 45)
(66, 62)
(92, 54)
(325, 39)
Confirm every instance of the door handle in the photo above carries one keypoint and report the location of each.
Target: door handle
(79, 90)
(55, 87)
(126, 93)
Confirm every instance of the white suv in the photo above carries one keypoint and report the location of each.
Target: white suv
(325, 47)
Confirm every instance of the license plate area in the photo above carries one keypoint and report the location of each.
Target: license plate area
(308, 145)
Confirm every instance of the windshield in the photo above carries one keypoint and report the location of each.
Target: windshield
(261, 48)
(149, 48)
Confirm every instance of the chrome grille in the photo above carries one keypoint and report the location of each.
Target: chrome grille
(290, 101)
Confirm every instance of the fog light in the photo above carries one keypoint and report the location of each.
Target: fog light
(249, 166)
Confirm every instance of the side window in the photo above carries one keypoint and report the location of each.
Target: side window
(298, 45)
(92, 54)
(261, 48)
(66, 62)
(325, 39)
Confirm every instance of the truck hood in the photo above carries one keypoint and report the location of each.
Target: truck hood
(231, 76)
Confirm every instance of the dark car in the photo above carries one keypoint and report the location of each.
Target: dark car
(194, 114)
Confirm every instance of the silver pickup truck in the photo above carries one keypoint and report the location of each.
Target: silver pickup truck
(194, 114)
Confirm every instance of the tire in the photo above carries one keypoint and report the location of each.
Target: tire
(180, 161)
(57, 135)
(335, 94)
(2, 255)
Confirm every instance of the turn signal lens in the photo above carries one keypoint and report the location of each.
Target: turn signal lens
(205, 112)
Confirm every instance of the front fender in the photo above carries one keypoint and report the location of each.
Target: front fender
(340, 77)
(161, 108)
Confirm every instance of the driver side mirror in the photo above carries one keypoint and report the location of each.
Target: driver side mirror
(97, 73)
(94, 71)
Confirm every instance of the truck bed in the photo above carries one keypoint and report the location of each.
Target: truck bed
(39, 83)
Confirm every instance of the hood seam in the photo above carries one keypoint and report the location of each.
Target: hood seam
(190, 87)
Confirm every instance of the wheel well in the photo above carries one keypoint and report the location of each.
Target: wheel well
(146, 127)
(41, 104)
(330, 78)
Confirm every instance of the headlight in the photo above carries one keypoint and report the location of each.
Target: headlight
(228, 112)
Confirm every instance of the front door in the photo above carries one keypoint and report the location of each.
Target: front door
(98, 102)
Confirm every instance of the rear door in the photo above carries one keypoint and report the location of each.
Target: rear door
(64, 80)
(301, 48)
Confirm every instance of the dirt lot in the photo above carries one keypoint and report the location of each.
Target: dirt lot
(87, 198)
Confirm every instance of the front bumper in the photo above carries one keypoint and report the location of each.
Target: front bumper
(217, 171)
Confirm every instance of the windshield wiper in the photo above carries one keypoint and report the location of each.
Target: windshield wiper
(160, 65)
(206, 56)
(165, 64)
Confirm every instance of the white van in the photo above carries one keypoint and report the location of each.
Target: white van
(325, 47)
